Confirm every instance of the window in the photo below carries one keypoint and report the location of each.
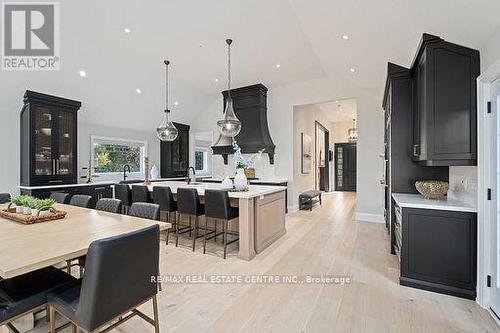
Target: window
(201, 160)
(110, 155)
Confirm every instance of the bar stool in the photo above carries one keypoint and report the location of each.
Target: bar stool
(140, 193)
(188, 203)
(123, 193)
(218, 208)
(162, 196)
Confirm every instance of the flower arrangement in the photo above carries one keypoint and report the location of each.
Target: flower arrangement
(241, 162)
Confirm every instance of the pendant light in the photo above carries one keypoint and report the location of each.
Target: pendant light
(230, 126)
(167, 131)
(353, 132)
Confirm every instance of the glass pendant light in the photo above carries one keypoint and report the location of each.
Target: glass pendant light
(167, 131)
(230, 126)
(353, 132)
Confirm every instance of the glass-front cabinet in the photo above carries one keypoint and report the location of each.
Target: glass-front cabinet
(174, 156)
(48, 140)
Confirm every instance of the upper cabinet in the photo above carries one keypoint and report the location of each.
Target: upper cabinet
(48, 140)
(444, 103)
(174, 156)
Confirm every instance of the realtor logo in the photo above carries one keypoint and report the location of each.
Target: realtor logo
(31, 36)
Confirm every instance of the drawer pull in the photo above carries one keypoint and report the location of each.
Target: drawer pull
(55, 181)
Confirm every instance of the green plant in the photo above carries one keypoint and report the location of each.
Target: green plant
(32, 203)
(22, 200)
(17, 200)
(45, 203)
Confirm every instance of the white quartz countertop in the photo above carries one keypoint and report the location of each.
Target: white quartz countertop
(262, 181)
(417, 201)
(97, 183)
(253, 192)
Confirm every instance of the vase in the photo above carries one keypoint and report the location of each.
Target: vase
(227, 182)
(240, 180)
(155, 173)
(34, 212)
(26, 210)
(250, 173)
(19, 209)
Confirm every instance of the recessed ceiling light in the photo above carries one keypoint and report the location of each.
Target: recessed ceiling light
(345, 37)
(82, 73)
(278, 65)
(127, 30)
(336, 101)
(138, 91)
(216, 80)
(352, 70)
(176, 103)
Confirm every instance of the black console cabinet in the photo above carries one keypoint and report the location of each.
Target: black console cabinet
(439, 251)
(48, 140)
(96, 191)
(444, 111)
(174, 156)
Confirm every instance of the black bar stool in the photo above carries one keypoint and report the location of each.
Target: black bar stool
(188, 203)
(218, 208)
(140, 193)
(162, 196)
(123, 193)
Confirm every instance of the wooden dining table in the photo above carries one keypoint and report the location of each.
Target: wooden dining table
(26, 248)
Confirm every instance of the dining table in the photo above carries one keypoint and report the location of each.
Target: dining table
(27, 247)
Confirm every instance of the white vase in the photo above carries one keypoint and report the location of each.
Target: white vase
(240, 180)
(227, 182)
(19, 209)
(26, 211)
(34, 212)
(155, 173)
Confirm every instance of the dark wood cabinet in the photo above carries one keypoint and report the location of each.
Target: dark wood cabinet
(345, 166)
(48, 140)
(400, 170)
(444, 110)
(174, 156)
(438, 251)
(96, 191)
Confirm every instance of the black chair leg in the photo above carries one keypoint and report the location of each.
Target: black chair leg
(195, 233)
(205, 236)
(225, 238)
(168, 220)
(177, 229)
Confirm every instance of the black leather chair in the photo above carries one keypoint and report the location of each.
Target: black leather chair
(188, 203)
(27, 293)
(123, 193)
(4, 198)
(59, 197)
(162, 196)
(140, 193)
(118, 279)
(218, 208)
(145, 210)
(109, 205)
(81, 200)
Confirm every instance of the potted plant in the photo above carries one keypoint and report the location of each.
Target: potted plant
(18, 201)
(33, 204)
(26, 202)
(244, 167)
(43, 207)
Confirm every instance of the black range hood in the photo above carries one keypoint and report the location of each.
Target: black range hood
(250, 106)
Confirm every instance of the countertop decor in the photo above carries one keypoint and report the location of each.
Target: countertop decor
(432, 189)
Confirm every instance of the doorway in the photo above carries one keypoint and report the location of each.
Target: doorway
(322, 165)
(494, 174)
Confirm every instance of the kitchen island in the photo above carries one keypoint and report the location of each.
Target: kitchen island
(261, 213)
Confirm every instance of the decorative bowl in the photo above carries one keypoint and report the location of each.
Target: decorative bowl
(432, 189)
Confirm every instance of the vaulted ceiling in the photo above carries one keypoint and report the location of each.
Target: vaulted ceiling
(303, 37)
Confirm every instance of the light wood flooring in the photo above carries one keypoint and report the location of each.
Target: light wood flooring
(324, 241)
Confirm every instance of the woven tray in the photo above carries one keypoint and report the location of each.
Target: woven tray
(10, 214)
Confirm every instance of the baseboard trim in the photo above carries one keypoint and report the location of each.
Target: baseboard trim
(365, 217)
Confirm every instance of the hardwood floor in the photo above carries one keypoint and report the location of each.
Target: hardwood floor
(325, 241)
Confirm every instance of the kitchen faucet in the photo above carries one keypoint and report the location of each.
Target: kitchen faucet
(126, 167)
(194, 175)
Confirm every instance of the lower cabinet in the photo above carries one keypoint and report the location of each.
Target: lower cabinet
(438, 251)
(95, 191)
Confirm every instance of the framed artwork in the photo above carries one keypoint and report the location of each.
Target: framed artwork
(306, 150)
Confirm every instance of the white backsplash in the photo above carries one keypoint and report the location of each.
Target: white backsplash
(463, 184)
(263, 169)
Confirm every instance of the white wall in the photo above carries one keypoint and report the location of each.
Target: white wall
(281, 102)
(304, 121)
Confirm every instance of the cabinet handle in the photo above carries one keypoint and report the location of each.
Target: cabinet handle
(416, 150)
(99, 188)
(53, 167)
(55, 181)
